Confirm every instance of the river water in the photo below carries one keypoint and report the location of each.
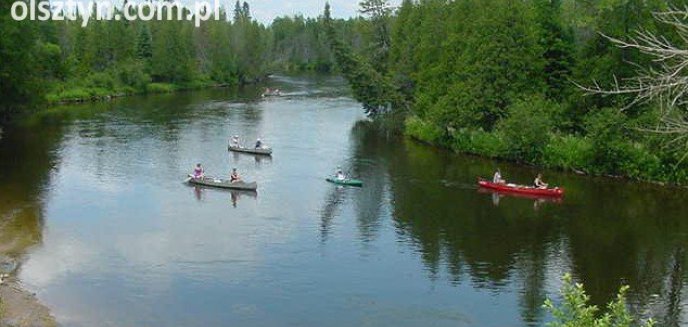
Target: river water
(96, 220)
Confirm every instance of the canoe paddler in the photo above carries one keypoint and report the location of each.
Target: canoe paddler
(235, 141)
(497, 178)
(234, 176)
(340, 174)
(259, 143)
(198, 171)
(539, 183)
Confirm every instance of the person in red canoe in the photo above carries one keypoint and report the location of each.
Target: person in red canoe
(539, 183)
(234, 176)
(497, 178)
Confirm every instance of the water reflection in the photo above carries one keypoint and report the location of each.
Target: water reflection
(538, 201)
(236, 195)
(94, 197)
(606, 232)
(25, 167)
(198, 191)
(334, 199)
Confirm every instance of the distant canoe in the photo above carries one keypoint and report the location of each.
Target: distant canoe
(513, 188)
(222, 183)
(263, 151)
(347, 182)
(271, 94)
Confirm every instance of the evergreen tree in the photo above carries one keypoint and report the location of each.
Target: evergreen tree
(18, 69)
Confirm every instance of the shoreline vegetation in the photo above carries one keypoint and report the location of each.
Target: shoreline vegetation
(81, 95)
(51, 62)
(565, 153)
(556, 84)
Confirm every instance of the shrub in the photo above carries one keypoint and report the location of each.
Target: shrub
(574, 310)
(567, 152)
(640, 163)
(527, 128)
(417, 128)
(133, 75)
(160, 88)
(479, 142)
(73, 94)
(610, 149)
(101, 80)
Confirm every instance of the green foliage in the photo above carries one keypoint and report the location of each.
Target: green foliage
(492, 145)
(51, 64)
(19, 63)
(574, 310)
(618, 148)
(71, 95)
(485, 77)
(370, 86)
(494, 78)
(76, 63)
(528, 128)
(473, 59)
(63, 61)
(557, 41)
(568, 152)
(133, 74)
(300, 44)
(172, 59)
(160, 88)
(465, 140)
(422, 131)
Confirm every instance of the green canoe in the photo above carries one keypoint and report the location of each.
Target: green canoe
(347, 182)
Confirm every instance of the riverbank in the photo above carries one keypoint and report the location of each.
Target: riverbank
(579, 154)
(89, 94)
(19, 307)
(64, 95)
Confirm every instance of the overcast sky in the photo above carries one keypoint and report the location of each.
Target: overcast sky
(266, 10)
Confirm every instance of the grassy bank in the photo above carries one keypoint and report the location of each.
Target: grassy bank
(598, 155)
(68, 93)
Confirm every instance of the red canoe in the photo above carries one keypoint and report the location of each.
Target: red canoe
(557, 191)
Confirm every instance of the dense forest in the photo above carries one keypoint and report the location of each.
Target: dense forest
(534, 81)
(45, 62)
(503, 79)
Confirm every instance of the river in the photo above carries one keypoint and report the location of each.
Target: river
(96, 220)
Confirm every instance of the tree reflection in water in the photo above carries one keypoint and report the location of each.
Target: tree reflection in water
(606, 232)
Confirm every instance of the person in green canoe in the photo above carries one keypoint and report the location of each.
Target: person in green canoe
(339, 175)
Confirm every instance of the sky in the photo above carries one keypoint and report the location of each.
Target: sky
(266, 10)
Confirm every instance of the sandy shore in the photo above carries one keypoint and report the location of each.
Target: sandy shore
(19, 307)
